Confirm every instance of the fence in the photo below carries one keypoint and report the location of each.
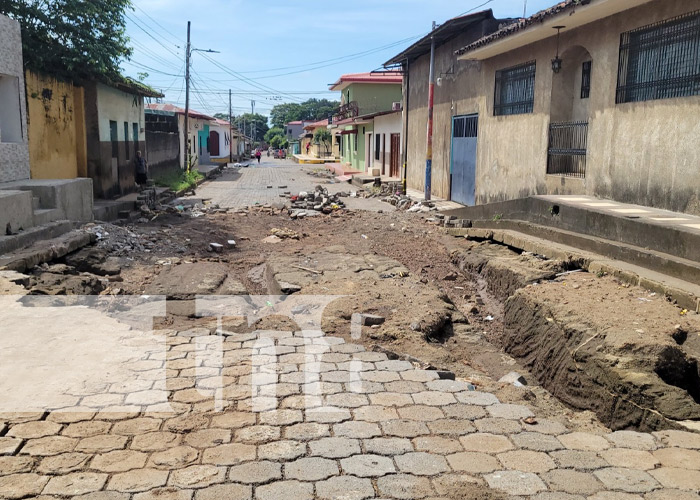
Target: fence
(568, 144)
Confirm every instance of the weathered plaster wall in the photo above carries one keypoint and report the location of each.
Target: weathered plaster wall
(14, 156)
(373, 97)
(56, 128)
(643, 153)
(384, 126)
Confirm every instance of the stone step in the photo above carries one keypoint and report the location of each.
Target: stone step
(46, 215)
(36, 203)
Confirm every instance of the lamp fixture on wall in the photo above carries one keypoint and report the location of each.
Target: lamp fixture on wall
(556, 62)
(450, 71)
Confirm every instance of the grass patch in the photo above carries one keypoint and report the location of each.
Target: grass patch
(177, 181)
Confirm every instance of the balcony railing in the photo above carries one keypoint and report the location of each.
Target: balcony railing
(568, 145)
(349, 110)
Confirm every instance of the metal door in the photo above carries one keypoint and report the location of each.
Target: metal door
(463, 168)
(395, 155)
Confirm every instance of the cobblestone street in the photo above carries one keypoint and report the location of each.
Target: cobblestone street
(333, 421)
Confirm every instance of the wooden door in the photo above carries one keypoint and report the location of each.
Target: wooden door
(395, 155)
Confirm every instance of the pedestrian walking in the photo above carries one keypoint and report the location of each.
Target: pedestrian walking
(258, 155)
(308, 147)
(141, 169)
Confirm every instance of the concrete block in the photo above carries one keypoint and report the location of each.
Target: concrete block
(15, 211)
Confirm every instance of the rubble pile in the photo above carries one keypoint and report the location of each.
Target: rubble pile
(314, 202)
(123, 242)
(449, 221)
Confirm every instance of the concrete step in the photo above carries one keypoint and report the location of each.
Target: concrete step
(639, 232)
(47, 215)
(36, 203)
(42, 250)
(34, 234)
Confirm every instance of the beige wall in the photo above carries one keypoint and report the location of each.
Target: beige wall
(643, 153)
(56, 128)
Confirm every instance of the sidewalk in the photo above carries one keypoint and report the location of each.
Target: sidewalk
(440, 203)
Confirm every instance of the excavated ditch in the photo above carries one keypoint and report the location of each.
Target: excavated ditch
(629, 355)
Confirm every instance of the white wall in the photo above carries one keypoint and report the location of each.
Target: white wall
(385, 125)
(224, 133)
(118, 106)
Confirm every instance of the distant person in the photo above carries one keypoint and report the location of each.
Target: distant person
(308, 148)
(141, 168)
(258, 154)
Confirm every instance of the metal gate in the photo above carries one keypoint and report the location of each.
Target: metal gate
(463, 169)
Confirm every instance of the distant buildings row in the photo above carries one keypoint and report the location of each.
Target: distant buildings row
(588, 97)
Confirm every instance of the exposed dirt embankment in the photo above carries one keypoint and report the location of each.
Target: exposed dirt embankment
(627, 354)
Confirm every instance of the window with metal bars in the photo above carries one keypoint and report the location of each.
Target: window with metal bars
(586, 80)
(568, 145)
(660, 61)
(377, 145)
(515, 90)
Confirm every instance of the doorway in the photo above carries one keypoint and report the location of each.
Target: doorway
(395, 155)
(463, 169)
(214, 143)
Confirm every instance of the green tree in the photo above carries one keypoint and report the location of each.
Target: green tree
(274, 131)
(323, 136)
(75, 40)
(259, 122)
(311, 110)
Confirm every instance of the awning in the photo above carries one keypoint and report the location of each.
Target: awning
(349, 132)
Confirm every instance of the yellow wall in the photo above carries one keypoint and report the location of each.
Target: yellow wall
(57, 148)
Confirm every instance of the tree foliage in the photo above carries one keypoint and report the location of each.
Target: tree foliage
(75, 40)
(259, 121)
(311, 110)
(323, 136)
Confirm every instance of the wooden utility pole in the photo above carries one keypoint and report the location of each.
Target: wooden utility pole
(187, 99)
(431, 101)
(230, 129)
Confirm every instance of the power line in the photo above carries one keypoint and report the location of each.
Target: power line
(477, 7)
(151, 36)
(144, 66)
(174, 37)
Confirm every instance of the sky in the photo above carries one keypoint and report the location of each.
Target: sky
(276, 51)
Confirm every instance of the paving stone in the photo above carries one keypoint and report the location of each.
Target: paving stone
(174, 457)
(405, 387)
(153, 441)
(627, 480)
(86, 429)
(437, 444)
(9, 446)
(258, 434)
(467, 412)
(450, 426)
(678, 457)
(584, 441)
(450, 485)
(473, 462)
(370, 357)
(556, 495)
(119, 461)
(388, 446)
(674, 478)
(336, 447)
(629, 458)
(106, 495)
(447, 385)
(138, 480)
(572, 481)
(281, 450)
(367, 465)
(511, 411)
(515, 482)
(311, 469)
(527, 461)
(379, 376)
(486, 443)
(229, 454)
(575, 459)
(224, 492)
(347, 400)
(255, 472)
(420, 375)
(632, 440)
(476, 398)
(33, 430)
(328, 414)
(667, 494)
(536, 441)
(421, 464)
(404, 486)
(77, 483)
(306, 431)
(394, 366)
(285, 490)
(15, 465)
(55, 445)
(679, 439)
(614, 495)
(391, 399)
(22, 485)
(497, 425)
(281, 417)
(544, 426)
(198, 476)
(167, 493)
(420, 413)
(434, 398)
(194, 421)
(404, 428)
(357, 430)
(63, 463)
(364, 387)
(345, 488)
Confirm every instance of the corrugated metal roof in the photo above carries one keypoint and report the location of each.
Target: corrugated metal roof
(180, 111)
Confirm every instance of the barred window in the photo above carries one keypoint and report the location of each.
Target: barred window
(660, 61)
(515, 90)
(586, 80)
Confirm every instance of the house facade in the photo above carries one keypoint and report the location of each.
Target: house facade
(596, 97)
(363, 96)
(221, 142)
(14, 149)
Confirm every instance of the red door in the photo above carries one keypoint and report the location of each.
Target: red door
(214, 143)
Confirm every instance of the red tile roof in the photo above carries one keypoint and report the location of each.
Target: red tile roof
(180, 111)
(382, 77)
(318, 124)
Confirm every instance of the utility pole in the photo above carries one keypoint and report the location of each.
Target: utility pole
(188, 52)
(431, 101)
(252, 106)
(230, 129)
(525, 10)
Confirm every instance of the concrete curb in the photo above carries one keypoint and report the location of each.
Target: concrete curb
(686, 295)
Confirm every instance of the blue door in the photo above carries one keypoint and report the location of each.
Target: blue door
(463, 168)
